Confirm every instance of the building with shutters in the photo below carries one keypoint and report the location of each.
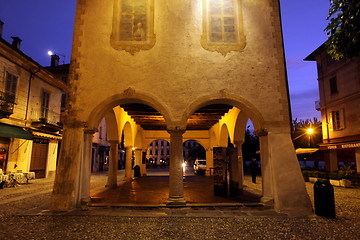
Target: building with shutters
(30, 103)
(339, 89)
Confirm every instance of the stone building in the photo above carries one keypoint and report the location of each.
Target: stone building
(29, 113)
(158, 153)
(178, 70)
(339, 88)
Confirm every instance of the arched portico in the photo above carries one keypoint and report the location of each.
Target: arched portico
(279, 162)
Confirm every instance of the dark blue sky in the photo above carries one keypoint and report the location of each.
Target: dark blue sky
(48, 25)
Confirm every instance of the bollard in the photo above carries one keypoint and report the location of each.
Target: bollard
(324, 199)
(137, 171)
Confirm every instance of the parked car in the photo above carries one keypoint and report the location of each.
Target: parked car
(200, 166)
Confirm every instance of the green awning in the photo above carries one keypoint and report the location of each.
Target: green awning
(9, 131)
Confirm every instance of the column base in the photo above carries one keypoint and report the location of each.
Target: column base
(267, 200)
(111, 185)
(178, 201)
(128, 178)
(84, 203)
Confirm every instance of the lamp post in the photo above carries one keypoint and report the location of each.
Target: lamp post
(310, 131)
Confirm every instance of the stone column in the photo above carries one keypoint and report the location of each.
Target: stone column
(128, 163)
(209, 162)
(67, 171)
(357, 157)
(138, 157)
(113, 164)
(176, 189)
(240, 164)
(143, 166)
(288, 184)
(333, 160)
(266, 171)
(83, 198)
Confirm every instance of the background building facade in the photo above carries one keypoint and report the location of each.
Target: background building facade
(339, 89)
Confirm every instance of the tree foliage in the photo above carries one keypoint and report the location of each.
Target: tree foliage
(343, 29)
(250, 145)
(301, 138)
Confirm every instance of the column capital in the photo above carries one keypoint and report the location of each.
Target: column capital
(90, 130)
(261, 132)
(176, 130)
(113, 142)
(238, 143)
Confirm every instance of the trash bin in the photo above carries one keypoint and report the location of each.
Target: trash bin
(324, 199)
(137, 171)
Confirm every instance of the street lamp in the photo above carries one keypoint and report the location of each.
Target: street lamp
(310, 131)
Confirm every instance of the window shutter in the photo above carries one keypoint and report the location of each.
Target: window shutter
(342, 119)
(331, 126)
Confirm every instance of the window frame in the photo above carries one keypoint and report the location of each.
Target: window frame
(223, 47)
(337, 120)
(333, 86)
(45, 98)
(10, 88)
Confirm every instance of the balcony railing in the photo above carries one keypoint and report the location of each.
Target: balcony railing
(7, 102)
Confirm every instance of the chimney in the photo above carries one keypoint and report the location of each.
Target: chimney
(54, 60)
(16, 42)
(1, 28)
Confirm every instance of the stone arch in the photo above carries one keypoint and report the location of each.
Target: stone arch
(111, 126)
(240, 127)
(128, 96)
(138, 144)
(128, 135)
(202, 142)
(213, 139)
(224, 135)
(223, 97)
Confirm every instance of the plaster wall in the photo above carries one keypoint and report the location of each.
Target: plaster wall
(178, 61)
(51, 159)
(19, 155)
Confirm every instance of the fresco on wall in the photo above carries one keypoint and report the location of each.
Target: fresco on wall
(133, 20)
(133, 25)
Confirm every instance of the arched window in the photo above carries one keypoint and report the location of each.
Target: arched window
(133, 25)
(222, 26)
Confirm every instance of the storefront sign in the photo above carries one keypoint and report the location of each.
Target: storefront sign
(41, 140)
(340, 146)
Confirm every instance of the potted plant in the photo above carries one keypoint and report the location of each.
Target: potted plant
(346, 173)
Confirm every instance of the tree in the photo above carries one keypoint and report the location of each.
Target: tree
(250, 145)
(343, 29)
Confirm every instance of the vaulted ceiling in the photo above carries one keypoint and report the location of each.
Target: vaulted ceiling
(150, 119)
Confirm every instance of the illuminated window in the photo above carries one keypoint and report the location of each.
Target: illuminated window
(222, 26)
(133, 25)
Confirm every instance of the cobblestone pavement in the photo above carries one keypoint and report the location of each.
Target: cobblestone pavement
(23, 215)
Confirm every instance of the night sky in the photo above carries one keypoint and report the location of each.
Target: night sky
(45, 25)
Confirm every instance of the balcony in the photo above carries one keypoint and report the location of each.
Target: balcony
(7, 102)
(46, 120)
